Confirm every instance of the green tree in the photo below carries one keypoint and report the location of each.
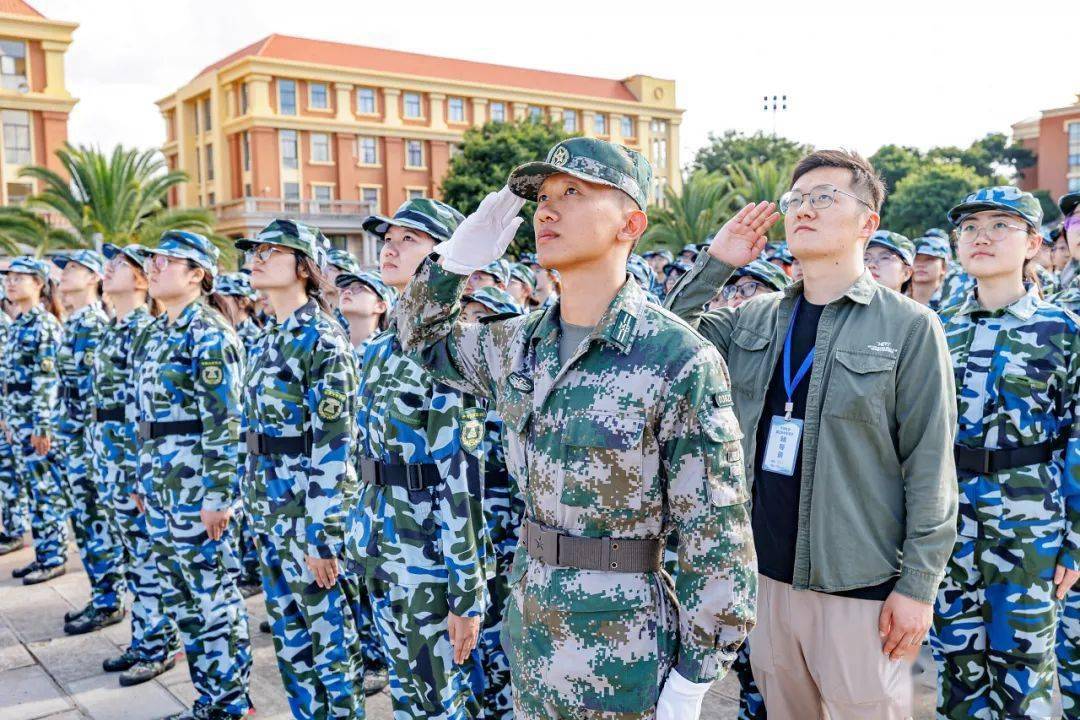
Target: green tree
(488, 154)
(895, 162)
(689, 216)
(990, 157)
(1051, 211)
(21, 229)
(923, 198)
(752, 182)
(733, 148)
(120, 196)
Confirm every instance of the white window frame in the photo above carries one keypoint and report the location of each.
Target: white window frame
(311, 95)
(28, 133)
(282, 134)
(374, 101)
(408, 152)
(419, 106)
(311, 148)
(491, 111)
(360, 159)
(601, 124)
(457, 103)
(281, 82)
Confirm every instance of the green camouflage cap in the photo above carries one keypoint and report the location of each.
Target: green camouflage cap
(896, 242)
(523, 273)
(764, 271)
(89, 259)
(1004, 198)
(134, 252)
(500, 270)
(287, 233)
(497, 301)
(343, 260)
(1068, 203)
(528, 259)
(435, 218)
(28, 266)
(591, 160)
(373, 280)
(236, 284)
(662, 252)
(188, 245)
(936, 232)
(934, 246)
(780, 252)
(641, 271)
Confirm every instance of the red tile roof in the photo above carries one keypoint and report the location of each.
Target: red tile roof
(284, 47)
(18, 7)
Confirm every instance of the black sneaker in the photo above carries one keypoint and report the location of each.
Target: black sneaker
(76, 614)
(124, 661)
(94, 620)
(250, 589)
(11, 544)
(43, 574)
(375, 681)
(25, 570)
(264, 626)
(145, 670)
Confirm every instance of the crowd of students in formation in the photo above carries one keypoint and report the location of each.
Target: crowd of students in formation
(286, 430)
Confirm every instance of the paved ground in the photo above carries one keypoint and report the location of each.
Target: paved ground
(46, 674)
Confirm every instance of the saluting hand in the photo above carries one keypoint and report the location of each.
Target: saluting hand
(464, 632)
(483, 237)
(743, 237)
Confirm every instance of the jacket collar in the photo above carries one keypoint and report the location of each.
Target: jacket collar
(861, 291)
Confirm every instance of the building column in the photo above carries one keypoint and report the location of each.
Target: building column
(348, 176)
(393, 163)
(588, 123)
(520, 111)
(391, 108)
(479, 111)
(437, 103)
(53, 136)
(674, 174)
(258, 95)
(344, 101)
(265, 162)
(440, 164)
(54, 68)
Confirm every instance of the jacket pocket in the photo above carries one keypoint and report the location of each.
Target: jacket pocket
(858, 386)
(748, 369)
(602, 460)
(723, 453)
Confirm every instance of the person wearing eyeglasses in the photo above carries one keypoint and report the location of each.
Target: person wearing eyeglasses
(889, 257)
(187, 410)
(1069, 278)
(1017, 554)
(757, 278)
(844, 390)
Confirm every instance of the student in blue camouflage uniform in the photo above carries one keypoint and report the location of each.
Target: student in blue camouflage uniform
(92, 518)
(366, 302)
(495, 274)
(503, 509)
(31, 406)
(154, 638)
(188, 413)
(932, 256)
(1068, 296)
(239, 297)
(889, 257)
(335, 262)
(641, 271)
(672, 272)
(1042, 265)
(299, 390)
(418, 531)
(1017, 364)
(522, 283)
(13, 522)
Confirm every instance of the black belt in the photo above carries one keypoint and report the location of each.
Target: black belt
(111, 414)
(412, 477)
(16, 387)
(981, 460)
(585, 553)
(154, 430)
(69, 394)
(259, 444)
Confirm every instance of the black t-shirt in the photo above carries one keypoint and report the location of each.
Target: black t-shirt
(775, 515)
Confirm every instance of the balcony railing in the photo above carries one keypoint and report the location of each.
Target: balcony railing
(280, 207)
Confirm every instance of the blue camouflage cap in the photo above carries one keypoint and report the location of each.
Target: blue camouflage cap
(641, 271)
(1067, 204)
(528, 259)
(372, 280)
(27, 265)
(1004, 198)
(661, 252)
(89, 259)
(497, 301)
(134, 252)
(677, 265)
(936, 232)
(764, 271)
(523, 273)
(780, 252)
(235, 284)
(303, 238)
(500, 270)
(934, 246)
(343, 260)
(896, 242)
(690, 248)
(591, 160)
(433, 217)
(188, 245)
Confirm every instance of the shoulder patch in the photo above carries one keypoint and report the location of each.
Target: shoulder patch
(331, 405)
(520, 381)
(472, 428)
(212, 372)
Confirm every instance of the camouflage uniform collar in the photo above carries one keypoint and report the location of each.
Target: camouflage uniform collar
(861, 291)
(1022, 309)
(616, 326)
(185, 317)
(30, 315)
(133, 316)
(85, 310)
(299, 317)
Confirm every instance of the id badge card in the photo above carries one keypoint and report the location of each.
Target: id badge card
(782, 446)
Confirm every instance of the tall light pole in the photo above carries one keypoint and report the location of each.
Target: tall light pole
(774, 104)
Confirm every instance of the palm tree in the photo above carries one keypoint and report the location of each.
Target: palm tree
(692, 215)
(22, 230)
(753, 182)
(118, 198)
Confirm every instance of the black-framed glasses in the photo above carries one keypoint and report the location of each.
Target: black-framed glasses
(746, 290)
(969, 232)
(821, 197)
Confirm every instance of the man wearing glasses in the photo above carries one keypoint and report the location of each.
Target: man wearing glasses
(845, 394)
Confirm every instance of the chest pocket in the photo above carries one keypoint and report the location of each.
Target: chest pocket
(749, 371)
(516, 409)
(858, 385)
(602, 460)
(1029, 404)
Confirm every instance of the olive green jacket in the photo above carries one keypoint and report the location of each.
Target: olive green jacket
(879, 493)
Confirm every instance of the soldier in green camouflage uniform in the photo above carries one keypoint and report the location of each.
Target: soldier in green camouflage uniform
(31, 406)
(92, 518)
(616, 437)
(187, 397)
(418, 532)
(299, 391)
(12, 496)
(1017, 365)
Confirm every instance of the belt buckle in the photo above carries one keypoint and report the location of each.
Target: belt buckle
(544, 545)
(414, 478)
(144, 430)
(252, 442)
(987, 460)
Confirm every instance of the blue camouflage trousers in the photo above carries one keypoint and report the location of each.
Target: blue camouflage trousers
(492, 672)
(751, 703)
(315, 635)
(13, 520)
(92, 521)
(995, 621)
(40, 475)
(1068, 654)
(246, 549)
(424, 681)
(200, 595)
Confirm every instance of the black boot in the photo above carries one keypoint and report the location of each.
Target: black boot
(43, 574)
(94, 620)
(76, 614)
(11, 544)
(250, 589)
(25, 570)
(145, 670)
(124, 661)
(375, 681)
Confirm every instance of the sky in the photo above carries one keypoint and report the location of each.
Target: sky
(857, 74)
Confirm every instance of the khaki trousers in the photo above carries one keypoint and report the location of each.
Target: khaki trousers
(819, 656)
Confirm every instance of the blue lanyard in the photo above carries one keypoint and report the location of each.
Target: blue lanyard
(791, 383)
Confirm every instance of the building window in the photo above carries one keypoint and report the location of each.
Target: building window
(16, 137)
(19, 193)
(209, 162)
(370, 197)
(1074, 147)
(247, 190)
(367, 151)
(320, 147)
(245, 149)
(412, 105)
(322, 194)
(415, 193)
(365, 101)
(536, 114)
(288, 148)
(414, 153)
(659, 142)
(498, 112)
(291, 193)
(319, 96)
(286, 96)
(12, 64)
(243, 98)
(600, 124)
(207, 115)
(627, 128)
(456, 109)
(1074, 184)
(569, 121)
(211, 199)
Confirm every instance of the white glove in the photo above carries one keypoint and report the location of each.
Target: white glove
(680, 699)
(483, 237)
